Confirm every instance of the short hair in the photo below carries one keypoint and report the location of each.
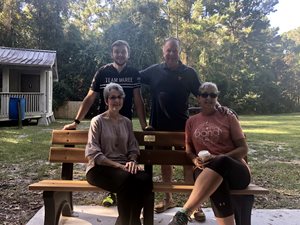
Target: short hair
(120, 43)
(112, 86)
(173, 39)
(207, 84)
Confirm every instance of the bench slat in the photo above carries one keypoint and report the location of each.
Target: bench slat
(149, 138)
(67, 155)
(252, 189)
(69, 137)
(160, 138)
(80, 185)
(154, 157)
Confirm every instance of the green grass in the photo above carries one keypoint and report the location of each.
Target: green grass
(274, 157)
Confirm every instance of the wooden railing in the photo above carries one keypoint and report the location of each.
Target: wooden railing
(32, 102)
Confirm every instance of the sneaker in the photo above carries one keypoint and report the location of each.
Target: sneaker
(199, 215)
(180, 218)
(109, 200)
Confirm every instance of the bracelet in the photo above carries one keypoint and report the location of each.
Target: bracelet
(77, 121)
(134, 161)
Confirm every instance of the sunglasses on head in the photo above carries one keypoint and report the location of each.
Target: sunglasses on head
(115, 97)
(205, 95)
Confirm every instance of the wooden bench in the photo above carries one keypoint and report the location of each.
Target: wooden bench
(68, 148)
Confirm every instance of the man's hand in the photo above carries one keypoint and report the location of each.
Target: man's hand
(71, 126)
(224, 110)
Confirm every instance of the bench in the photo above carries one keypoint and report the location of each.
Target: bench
(68, 148)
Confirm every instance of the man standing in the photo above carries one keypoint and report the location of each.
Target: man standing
(127, 77)
(171, 84)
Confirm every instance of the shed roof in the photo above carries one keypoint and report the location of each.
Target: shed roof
(29, 57)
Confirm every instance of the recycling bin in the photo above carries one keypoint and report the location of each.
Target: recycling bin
(14, 103)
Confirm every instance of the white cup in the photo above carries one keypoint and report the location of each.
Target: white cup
(204, 155)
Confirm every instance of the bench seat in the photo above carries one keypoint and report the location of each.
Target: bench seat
(82, 185)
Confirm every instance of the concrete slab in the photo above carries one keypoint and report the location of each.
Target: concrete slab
(98, 215)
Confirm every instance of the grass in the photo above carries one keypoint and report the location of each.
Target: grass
(274, 158)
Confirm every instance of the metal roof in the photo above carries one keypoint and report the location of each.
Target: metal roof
(29, 57)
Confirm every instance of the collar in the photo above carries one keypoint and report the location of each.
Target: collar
(180, 66)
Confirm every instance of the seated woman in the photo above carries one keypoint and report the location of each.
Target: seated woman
(112, 151)
(222, 136)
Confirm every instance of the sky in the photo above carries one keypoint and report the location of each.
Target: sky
(287, 16)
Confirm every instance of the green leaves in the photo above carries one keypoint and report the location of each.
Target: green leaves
(228, 42)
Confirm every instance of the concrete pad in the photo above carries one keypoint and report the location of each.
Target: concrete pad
(98, 215)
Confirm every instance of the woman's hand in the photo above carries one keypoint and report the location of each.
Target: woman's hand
(132, 167)
(200, 164)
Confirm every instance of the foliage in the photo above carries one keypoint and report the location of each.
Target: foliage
(229, 42)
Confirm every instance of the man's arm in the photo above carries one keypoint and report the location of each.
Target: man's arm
(83, 109)
(140, 107)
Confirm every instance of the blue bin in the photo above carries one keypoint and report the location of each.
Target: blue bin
(13, 108)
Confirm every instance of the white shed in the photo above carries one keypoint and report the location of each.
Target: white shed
(28, 74)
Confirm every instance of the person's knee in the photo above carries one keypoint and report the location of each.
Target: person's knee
(221, 164)
(222, 160)
(142, 182)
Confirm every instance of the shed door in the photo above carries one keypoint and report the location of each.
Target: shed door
(30, 83)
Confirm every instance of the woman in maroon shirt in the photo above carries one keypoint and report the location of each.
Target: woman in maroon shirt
(221, 135)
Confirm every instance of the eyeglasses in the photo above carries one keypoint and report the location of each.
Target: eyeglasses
(115, 97)
(205, 95)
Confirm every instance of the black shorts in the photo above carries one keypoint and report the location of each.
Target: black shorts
(235, 176)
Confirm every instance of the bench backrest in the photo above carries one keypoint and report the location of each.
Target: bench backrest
(68, 147)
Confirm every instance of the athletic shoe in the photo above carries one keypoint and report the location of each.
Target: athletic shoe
(109, 200)
(180, 218)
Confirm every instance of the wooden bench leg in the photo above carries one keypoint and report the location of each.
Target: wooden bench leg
(148, 212)
(55, 204)
(242, 208)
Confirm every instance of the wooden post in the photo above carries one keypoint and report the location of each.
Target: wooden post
(19, 114)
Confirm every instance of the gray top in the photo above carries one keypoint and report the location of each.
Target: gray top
(110, 139)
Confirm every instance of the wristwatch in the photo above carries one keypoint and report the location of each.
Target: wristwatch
(77, 121)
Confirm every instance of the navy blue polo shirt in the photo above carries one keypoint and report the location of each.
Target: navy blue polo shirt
(170, 91)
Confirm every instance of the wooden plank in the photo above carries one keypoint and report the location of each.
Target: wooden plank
(80, 185)
(252, 189)
(149, 138)
(63, 185)
(69, 137)
(67, 155)
(160, 138)
(152, 157)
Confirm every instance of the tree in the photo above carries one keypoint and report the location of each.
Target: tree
(11, 22)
